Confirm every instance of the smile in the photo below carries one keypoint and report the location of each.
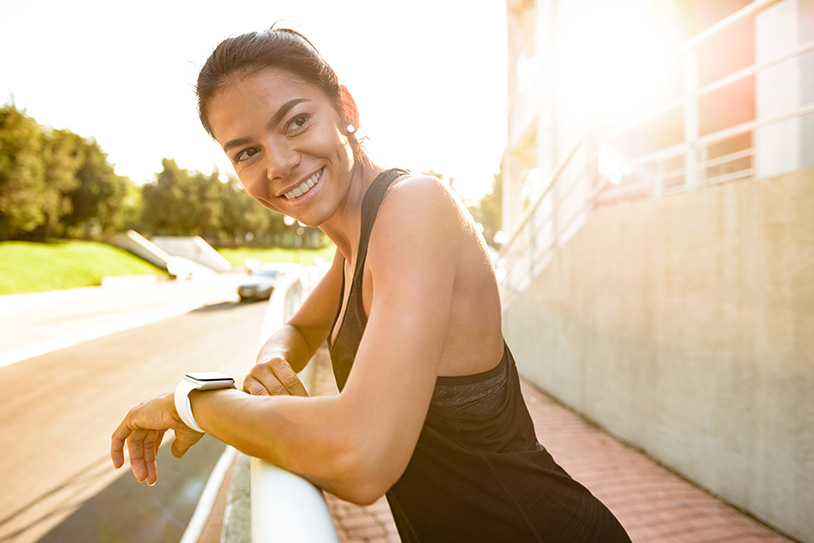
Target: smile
(305, 187)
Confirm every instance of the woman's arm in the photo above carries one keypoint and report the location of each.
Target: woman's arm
(356, 445)
(290, 348)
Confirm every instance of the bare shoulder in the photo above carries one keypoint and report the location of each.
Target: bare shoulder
(420, 221)
(423, 202)
(421, 186)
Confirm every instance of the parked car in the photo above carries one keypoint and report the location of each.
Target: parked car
(259, 284)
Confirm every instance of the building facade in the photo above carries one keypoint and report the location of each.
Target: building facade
(659, 269)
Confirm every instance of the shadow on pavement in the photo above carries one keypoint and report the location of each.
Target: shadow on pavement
(127, 511)
(222, 306)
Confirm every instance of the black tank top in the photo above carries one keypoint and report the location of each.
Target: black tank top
(477, 473)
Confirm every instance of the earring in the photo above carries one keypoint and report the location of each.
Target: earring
(351, 129)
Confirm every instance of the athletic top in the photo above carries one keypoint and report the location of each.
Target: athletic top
(477, 473)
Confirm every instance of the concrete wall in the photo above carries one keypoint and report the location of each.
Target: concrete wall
(193, 248)
(685, 326)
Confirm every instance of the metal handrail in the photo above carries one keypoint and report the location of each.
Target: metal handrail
(522, 255)
(286, 507)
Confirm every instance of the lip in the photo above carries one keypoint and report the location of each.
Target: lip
(298, 183)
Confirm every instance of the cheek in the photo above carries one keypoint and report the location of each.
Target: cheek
(255, 185)
(252, 186)
(339, 146)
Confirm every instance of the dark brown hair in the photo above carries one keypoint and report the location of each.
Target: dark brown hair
(273, 48)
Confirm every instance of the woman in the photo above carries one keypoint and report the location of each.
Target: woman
(430, 411)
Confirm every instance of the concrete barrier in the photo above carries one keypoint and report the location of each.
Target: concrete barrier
(193, 248)
(685, 326)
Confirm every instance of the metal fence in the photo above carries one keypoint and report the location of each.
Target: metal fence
(688, 157)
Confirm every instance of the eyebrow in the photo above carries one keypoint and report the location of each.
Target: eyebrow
(275, 120)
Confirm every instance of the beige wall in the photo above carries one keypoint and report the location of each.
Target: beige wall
(685, 326)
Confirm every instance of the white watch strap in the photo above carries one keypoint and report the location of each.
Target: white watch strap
(183, 406)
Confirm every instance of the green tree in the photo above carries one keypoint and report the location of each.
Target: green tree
(98, 199)
(169, 202)
(489, 210)
(243, 219)
(209, 195)
(61, 158)
(22, 174)
(54, 182)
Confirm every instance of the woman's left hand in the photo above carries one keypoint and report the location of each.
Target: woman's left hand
(143, 430)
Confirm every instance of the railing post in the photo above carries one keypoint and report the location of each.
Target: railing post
(691, 120)
(658, 182)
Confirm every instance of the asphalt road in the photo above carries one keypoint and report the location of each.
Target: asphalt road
(59, 410)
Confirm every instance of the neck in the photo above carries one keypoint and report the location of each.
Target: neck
(344, 227)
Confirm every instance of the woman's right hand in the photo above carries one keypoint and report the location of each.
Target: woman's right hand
(273, 377)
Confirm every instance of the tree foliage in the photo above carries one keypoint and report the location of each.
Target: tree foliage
(488, 211)
(98, 201)
(184, 203)
(54, 183)
(22, 174)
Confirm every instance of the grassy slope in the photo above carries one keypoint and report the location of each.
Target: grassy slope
(34, 267)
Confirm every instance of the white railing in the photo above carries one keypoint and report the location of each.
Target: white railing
(577, 185)
(284, 506)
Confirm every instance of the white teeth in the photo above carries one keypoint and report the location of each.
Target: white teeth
(305, 187)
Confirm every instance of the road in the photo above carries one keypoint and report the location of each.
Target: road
(59, 409)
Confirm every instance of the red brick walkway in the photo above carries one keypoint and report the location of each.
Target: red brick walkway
(654, 505)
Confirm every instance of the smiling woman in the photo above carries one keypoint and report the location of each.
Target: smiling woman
(430, 412)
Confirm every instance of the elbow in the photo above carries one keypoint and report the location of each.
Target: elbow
(366, 475)
(366, 486)
(363, 493)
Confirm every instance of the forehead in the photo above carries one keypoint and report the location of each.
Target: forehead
(247, 98)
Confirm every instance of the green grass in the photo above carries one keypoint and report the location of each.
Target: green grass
(306, 257)
(35, 267)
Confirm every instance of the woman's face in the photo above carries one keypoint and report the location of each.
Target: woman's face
(286, 141)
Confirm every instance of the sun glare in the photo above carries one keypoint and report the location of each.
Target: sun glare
(610, 60)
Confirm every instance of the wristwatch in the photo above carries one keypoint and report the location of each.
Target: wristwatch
(199, 380)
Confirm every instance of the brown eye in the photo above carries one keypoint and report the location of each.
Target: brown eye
(246, 154)
(298, 122)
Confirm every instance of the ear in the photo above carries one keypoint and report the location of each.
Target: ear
(348, 106)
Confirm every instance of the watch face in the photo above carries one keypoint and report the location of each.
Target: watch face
(208, 376)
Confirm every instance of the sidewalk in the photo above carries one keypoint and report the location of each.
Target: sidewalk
(654, 505)
(42, 322)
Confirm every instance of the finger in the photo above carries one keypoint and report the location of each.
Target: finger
(264, 375)
(117, 441)
(287, 377)
(184, 439)
(290, 380)
(253, 387)
(279, 378)
(151, 443)
(135, 448)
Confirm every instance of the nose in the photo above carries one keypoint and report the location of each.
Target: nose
(281, 161)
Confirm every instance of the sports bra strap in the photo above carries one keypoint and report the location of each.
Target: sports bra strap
(370, 209)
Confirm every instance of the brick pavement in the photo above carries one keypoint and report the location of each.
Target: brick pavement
(653, 504)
